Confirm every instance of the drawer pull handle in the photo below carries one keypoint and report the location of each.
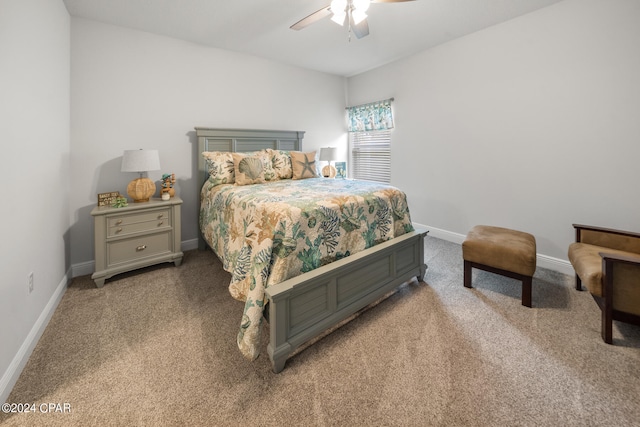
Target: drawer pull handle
(160, 216)
(118, 222)
(141, 248)
(119, 229)
(160, 223)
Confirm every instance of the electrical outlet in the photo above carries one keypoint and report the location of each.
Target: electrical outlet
(30, 281)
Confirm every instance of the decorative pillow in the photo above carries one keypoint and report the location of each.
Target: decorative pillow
(220, 166)
(253, 169)
(303, 164)
(281, 162)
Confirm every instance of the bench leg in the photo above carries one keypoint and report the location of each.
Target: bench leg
(527, 281)
(526, 290)
(607, 327)
(467, 274)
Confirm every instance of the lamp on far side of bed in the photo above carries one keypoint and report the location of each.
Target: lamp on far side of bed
(328, 154)
(141, 161)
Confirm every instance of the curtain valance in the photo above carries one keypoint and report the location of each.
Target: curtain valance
(370, 117)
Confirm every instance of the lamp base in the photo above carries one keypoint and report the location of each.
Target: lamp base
(141, 189)
(329, 171)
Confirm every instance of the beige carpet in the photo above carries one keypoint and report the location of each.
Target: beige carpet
(158, 348)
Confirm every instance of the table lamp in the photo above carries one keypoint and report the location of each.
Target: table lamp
(328, 154)
(141, 161)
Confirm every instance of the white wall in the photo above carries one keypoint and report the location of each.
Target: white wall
(532, 124)
(34, 136)
(131, 89)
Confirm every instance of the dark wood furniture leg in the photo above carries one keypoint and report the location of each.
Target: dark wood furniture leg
(527, 281)
(526, 290)
(607, 310)
(467, 274)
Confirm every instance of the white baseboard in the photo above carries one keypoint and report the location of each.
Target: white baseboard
(438, 233)
(555, 264)
(188, 245)
(83, 268)
(11, 375)
(544, 261)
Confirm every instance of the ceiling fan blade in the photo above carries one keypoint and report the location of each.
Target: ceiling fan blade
(360, 30)
(315, 16)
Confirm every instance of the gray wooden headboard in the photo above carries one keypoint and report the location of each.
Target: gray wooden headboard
(242, 140)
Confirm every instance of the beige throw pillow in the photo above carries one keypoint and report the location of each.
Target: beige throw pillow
(303, 164)
(253, 169)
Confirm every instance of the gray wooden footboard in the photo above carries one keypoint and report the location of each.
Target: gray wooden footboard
(304, 307)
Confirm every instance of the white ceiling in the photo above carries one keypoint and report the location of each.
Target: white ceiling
(261, 27)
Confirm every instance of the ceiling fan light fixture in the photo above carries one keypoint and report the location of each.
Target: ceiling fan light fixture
(362, 5)
(358, 16)
(339, 18)
(351, 11)
(339, 10)
(338, 6)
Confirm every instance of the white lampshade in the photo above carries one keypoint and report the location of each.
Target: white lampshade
(140, 161)
(328, 154)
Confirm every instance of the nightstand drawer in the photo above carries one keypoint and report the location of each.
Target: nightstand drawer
(127, 250)
(154, 221)
(132, 218)
(155, 225)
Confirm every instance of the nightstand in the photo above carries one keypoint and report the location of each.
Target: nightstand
(135, 236)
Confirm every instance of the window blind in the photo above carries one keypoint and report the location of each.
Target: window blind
(371, 155)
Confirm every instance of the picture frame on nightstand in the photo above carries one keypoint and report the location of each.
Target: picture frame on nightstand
(341, 170)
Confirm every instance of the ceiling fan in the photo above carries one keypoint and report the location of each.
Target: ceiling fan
(351, 11)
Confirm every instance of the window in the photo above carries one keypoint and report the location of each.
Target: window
(370, 141)
(371, 155)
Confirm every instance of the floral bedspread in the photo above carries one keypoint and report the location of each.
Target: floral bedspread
(267, 233)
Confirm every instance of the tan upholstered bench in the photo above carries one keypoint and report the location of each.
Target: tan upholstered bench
(501, 251)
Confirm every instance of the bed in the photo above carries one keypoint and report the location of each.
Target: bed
(306, 264)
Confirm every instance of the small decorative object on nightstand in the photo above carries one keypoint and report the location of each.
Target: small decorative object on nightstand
(141, 161)
(328, 154)
(168, 179)
(136, 236)
(120, 202)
